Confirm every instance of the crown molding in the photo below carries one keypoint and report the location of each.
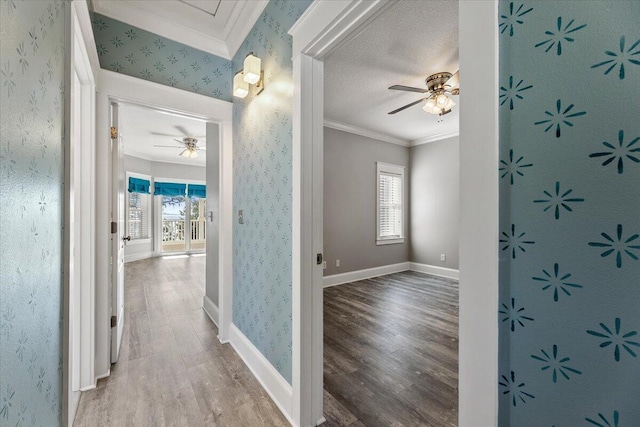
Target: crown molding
(366, 133)
(435, 137)
(241, 21)
(246, 18)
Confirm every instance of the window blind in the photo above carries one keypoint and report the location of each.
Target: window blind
(138, 216)
(196, 190)
(137, 185)
(390, 199)
(169, 189)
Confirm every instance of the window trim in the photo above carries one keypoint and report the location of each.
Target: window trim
(149, 208)
(388, 168)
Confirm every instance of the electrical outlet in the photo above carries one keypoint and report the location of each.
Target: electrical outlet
(324, 265)
(337, 263)
(443, 257)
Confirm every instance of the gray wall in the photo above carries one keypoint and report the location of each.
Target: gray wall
(435, 202)
(213, 196)
(350, 202)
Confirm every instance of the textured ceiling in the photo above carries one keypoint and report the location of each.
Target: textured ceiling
(405, 44)
(138, 126)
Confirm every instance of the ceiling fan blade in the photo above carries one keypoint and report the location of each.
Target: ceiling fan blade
(408, 88)
(168, 146)
(407, 106)
(183, 130)
(164, 134)
(201, 148)
(178, 141)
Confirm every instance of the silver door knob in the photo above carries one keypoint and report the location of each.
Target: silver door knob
(127, 238)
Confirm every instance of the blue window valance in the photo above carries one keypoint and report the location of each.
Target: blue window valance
(197, 190)
(169, 189)
(137, 185)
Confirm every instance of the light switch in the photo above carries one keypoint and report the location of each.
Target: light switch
(240, 216)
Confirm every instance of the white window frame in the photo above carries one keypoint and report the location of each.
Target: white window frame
(149, 207)
(391, 169)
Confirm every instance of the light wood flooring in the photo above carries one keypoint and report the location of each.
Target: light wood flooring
(391, 352)
(172, 369)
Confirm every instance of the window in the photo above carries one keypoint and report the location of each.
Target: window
(138, 220)
(390, 190)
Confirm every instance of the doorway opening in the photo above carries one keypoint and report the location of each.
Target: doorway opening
(325, 28)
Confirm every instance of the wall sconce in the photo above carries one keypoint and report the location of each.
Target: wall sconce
(252, 74)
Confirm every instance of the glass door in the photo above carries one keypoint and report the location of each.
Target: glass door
(173, 224)
(197, 223)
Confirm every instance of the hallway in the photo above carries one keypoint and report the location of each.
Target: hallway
(172, 370)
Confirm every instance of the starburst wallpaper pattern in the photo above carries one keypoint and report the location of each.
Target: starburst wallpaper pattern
(262, 159)
(31, 175)
(138, 53)
(569, 175)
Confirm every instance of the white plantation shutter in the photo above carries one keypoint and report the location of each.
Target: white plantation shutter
(138, 220)
(390, 202)
(390, 205)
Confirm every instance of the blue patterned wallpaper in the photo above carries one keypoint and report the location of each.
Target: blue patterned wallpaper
(569, 213)
(31, 174)
(139, 53)
(262, 188)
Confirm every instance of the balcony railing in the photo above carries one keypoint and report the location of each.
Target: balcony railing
(173, 235)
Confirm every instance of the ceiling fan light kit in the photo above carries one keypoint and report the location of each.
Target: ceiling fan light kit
(189, 147)
(439, 86)
(251, 74)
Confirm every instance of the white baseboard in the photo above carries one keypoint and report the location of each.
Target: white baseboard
(138, 256)
(434, 270)
(354, 276)
(211, 309)
(274, 384)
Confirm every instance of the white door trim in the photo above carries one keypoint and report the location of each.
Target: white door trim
(79, 281)
(115, 87)
(321, 29)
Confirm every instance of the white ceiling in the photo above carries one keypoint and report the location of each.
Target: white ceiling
(215, 26)
(142, 128)
(405, 44)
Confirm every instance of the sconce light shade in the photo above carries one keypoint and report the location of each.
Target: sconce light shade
(240, 86)
(252, 68)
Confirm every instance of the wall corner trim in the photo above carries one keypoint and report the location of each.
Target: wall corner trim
(435, 270)
(211, 309)
(354, 276)
(435, 137)
(273, 383)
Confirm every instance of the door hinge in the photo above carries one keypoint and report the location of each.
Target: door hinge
(114, 321)
(114, 227)
(114, 132)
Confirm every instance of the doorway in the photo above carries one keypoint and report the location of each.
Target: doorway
(324, 28)
(215, 118)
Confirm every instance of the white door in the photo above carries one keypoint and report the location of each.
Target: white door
(118, 237)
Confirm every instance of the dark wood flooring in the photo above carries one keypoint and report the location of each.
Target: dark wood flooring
(391, 352)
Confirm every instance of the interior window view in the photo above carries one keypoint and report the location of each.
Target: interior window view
(380, 213)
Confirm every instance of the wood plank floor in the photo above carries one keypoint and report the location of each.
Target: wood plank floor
(391, 352)
(172, 370)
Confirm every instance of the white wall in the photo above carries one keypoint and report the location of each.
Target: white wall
(140, 250)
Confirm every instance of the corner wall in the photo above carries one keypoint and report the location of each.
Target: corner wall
(435, 202)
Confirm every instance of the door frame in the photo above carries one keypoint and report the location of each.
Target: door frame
(79, 207)
(319, 31)
(115, 87)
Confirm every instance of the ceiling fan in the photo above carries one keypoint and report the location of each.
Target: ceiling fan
(439, 87)
(189, 146)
